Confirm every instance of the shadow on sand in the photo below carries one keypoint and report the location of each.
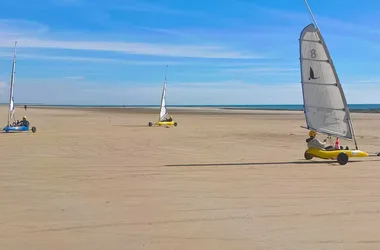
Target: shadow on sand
(131, 126)
(265, 163)
(15, 132)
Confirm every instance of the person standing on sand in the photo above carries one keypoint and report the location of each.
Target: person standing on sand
(25, 107)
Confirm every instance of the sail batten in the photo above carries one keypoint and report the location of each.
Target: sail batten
(314, 60)
(325, 108)
(312, 41)
(320, 83)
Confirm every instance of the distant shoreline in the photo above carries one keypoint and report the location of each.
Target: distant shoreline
(354, 108)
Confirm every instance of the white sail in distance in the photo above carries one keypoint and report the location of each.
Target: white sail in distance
(11, 94)
(163, 109)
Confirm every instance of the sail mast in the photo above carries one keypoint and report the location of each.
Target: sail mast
(11, 99)
(311, 14)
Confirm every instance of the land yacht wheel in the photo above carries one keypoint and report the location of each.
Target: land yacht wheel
(175, 124)
(150, 124)
(308, 156)
(342, 158)
(34, 129)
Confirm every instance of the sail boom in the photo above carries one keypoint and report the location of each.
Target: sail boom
(334, 134)
(328, 133)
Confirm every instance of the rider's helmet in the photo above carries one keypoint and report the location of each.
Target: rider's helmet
(312, 133)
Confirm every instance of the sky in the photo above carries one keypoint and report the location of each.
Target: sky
(115, 52)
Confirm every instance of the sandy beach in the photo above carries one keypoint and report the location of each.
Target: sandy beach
(102, 179)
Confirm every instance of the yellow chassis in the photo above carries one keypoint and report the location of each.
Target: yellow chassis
(341, 155)
(172, 123)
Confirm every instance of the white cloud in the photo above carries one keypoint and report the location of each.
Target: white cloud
(266, 71)
(132, 48)
(72, 91)
(94, 59)
(362, 93)
(18, 27)
(35, 35)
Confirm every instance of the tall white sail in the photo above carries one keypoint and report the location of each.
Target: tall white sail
(163, 109)
(11, 94)
(325, 104)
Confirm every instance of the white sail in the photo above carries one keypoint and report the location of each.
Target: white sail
(325, 105)
(11, 94)
(163, 109)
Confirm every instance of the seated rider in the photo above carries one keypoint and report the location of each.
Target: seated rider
(24, 122)
(313, 142)
(170, 119)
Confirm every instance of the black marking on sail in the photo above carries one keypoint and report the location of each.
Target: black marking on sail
(312, 76)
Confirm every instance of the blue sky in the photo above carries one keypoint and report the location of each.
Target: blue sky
(218, 51)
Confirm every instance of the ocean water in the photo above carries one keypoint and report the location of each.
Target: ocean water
(293, 107)
(352, 107)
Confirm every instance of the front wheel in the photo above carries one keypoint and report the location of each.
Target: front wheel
(175, 124)
(34, 129)
(342, 158)
(307, 156)
(150, 124)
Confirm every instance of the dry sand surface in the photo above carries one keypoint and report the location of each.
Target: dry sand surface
(103, 179)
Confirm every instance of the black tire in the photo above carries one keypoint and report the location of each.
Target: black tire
(175, 124)
(342, 158)
(307, 156)
(34, 129)
(150, 124)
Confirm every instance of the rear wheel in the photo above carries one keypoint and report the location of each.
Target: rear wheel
(307, 156)
(342, 158)
(150, 124)
(34, 129)
(175, 124)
